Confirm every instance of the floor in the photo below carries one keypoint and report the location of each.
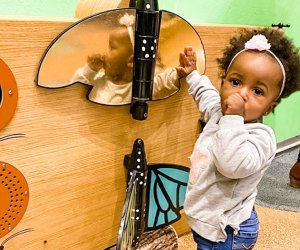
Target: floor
(279, 230)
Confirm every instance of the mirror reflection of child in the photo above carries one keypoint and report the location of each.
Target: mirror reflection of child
(235, 149)
(110, 73)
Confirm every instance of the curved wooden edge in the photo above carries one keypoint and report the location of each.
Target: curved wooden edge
(9, 94)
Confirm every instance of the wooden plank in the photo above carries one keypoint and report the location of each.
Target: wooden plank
(89, 7)
(72, 155)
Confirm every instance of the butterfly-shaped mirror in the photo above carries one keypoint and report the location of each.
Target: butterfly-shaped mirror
(98, 51)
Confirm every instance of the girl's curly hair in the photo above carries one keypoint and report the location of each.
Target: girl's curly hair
(281, 46)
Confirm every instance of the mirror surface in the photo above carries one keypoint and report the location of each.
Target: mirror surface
(98, 51)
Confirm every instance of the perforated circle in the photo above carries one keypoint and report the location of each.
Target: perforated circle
(14, 197)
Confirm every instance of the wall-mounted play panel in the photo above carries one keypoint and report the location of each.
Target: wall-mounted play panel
(72, 153)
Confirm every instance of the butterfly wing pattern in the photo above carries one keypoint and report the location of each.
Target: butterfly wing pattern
(159, 192)
(166, 190)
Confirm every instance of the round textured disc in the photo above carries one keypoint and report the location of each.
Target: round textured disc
(14, 197)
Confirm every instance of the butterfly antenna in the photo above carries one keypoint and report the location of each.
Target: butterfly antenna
(12, 136)
(14, 235)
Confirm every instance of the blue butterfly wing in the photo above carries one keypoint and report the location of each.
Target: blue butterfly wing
(166, 190)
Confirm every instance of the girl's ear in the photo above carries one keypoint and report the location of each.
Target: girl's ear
(222, 76)
(271, 108)
(130, 62)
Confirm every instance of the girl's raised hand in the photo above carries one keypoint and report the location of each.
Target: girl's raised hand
(95, 61)
(187, 62)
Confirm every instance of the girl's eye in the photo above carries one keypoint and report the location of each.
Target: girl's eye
(257, 91)
(235, 82)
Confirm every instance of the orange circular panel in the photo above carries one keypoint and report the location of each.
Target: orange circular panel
(13, 199)
(8, 94)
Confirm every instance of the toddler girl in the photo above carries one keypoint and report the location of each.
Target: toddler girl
(235, 149)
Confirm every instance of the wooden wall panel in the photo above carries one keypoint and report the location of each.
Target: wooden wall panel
(88, 7)
(72, 154)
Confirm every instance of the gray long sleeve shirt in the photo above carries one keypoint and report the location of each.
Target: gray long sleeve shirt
(227, 163)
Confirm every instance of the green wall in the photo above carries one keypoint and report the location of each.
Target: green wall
(58, 8)
(286, 119)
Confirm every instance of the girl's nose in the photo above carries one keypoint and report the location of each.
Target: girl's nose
(244, 92)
